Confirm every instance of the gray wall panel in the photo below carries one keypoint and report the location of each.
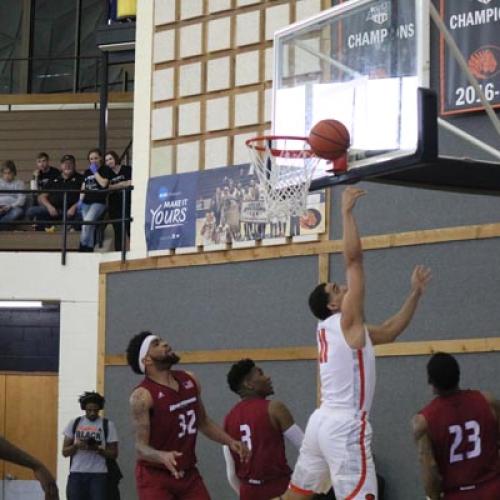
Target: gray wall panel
(401, 392)
(393, 209)
(294, 382)
(460, 302)
(248, 304)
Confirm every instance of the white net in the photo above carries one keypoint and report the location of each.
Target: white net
(284, 168)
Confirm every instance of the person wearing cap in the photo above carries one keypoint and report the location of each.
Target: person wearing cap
(167, 412)
(51, 203)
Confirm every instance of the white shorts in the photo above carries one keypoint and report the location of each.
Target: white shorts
(337, 446)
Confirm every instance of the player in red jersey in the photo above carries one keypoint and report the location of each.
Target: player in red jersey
(261, 425)
(167, 413)
(457, 435)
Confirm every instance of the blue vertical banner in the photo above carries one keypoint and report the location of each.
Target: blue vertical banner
(171, 211)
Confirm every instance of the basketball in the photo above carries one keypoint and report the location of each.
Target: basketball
(329, 139)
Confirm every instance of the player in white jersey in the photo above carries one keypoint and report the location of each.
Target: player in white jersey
(337, 442)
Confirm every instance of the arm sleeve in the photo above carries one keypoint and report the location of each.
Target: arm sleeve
(295, 435)
(68, 430)
(112, 434)
(21, 197)
(230, 470)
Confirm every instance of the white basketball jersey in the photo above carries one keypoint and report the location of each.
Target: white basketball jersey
(347, 375)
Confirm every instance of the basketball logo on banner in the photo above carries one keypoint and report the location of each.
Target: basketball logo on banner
(475, 28)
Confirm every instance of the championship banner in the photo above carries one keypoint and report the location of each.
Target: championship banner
(171, 211)
(378, 40)
(475, 28)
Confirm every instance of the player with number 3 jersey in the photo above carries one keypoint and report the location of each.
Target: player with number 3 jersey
(457, 435)
(261, 424)
(167, 413)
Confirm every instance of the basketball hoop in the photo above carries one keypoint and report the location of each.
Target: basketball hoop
(284, 166)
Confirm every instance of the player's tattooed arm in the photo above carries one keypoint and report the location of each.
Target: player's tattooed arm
(140, 404)
(428, 466)
(391, 328)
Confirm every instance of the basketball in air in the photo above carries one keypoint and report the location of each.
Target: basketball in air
(329, 139)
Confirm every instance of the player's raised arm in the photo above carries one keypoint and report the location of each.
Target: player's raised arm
(352, 315)
(428, 465)
(140, 404)
(391, 328)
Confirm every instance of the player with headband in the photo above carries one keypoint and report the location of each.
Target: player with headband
(167, 412)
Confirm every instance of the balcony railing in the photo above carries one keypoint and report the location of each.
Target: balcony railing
(66, 224)
(38, 75)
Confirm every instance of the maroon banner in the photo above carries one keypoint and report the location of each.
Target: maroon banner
(475, 27)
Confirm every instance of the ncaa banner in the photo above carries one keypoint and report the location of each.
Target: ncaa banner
(475, 28)
(379, 40)
(171, 211)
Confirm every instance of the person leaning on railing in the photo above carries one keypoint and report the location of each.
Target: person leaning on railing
(122, 175)
(51, 202)
(93, 202)
(11, 204)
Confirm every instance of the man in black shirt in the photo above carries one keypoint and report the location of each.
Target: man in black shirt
(50, 203)
(44, 173)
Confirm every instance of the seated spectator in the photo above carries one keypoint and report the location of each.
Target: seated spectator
(50, 203)
(44, 173)
(122, 175)
(93, 205)
(11, 204)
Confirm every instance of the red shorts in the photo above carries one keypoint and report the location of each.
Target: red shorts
(483, 491)
(156, 484)
(264, 491)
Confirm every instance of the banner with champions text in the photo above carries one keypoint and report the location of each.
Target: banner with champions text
(475, 28)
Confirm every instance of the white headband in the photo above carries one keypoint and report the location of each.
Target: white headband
(143, 351)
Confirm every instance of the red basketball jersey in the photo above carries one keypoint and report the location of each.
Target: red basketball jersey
(249, 422)
(464, 436)
(174, 418)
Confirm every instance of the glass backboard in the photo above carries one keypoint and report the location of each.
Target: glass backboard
(360, 62)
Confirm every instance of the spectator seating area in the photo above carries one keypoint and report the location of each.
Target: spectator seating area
(23, 135)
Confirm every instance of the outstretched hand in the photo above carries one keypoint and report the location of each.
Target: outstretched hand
(349, 197)
(420, 278)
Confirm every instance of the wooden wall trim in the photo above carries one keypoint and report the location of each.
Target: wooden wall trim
(63, 98)
(308, 353)
(376, 242)
(101, 334)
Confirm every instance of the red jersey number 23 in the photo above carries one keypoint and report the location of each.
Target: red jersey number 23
(471, 432)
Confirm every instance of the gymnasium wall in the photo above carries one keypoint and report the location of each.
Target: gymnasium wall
(238, 307)
(219, 297)
(257, 306)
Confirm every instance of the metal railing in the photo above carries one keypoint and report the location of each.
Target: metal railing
(64, 222)
(66, 77)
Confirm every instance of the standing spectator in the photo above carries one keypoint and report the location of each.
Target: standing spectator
(91, 442)
(11, 204)
(93, 205)
(51, 202)
(44, 173)
(122, 179)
